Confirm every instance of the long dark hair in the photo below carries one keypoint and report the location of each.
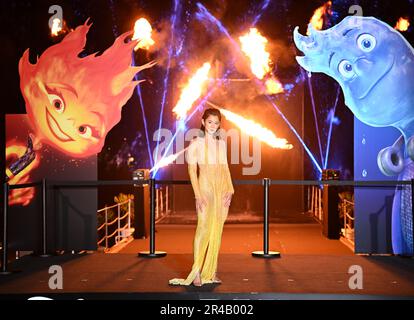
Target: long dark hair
(210, 112)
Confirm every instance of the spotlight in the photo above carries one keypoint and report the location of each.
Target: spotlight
(141, 204)
(330, 174)
(330, 224)
(140, 174)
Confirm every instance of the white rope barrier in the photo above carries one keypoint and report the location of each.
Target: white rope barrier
(119, 229)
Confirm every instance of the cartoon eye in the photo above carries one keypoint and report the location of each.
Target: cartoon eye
(56, 102)
(366, 42)
(345, 69)
(85, 131)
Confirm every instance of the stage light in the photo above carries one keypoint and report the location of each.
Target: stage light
(330, 174)
(330, 201)
(140, 174)
(141, 221)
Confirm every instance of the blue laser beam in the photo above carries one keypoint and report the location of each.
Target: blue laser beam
(141, 103)
(205, 14)
(311, 156)
(137, 88)
(167, 74)
(183, 34)
(328, 143)
(188, 118)
(261, 11)
(115, 30)
(315, 118)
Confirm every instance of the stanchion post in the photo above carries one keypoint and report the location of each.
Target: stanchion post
(412, 210)
(44, 220)
(266, 216)
(266, 253)
(4, 262)
(129, 216)
(152, 216)
(106, 228)
(152, 253)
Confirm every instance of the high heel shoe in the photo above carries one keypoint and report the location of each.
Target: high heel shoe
(197, 281)
(216, 279)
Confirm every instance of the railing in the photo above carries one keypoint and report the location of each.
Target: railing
(121, 233)
(347, 210)
(162, 202)
(315, 202)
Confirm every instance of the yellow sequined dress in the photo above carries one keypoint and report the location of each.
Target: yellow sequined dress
(213, 182)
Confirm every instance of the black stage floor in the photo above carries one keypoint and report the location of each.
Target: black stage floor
(321, 273)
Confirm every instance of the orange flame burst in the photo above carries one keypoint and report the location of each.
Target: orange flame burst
(20, 196)
(253, 44)
(56, 27)
(142, 32)
(166, 161)
(255, 129)
(192, 91)
(273, 86)
(317, 19)
(402, 24)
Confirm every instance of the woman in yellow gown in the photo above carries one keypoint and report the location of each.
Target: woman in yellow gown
(213, 190)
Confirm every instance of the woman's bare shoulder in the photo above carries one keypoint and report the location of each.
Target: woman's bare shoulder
(197, 140)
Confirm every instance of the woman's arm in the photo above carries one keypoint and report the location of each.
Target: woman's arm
(229, 183)
(227, 176)
(192, 167)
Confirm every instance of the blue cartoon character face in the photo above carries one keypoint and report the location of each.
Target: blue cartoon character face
(373, 64)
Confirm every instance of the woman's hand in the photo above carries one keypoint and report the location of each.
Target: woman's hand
(227, 199)
(201, 203)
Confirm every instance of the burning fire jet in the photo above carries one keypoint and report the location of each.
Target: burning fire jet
(142, 32)
(253, 44)
(254, 129)
(192, 91)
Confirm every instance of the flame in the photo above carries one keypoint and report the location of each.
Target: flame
(56, 27)
(192, 91)
(402, 24)
(20, 196)
(253, 44)
(317, 19)
(142, 32)
(166, 161)
(273, 86)
(254, 129)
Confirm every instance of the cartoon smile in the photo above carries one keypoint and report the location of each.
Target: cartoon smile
(55, 129)
(378, 80)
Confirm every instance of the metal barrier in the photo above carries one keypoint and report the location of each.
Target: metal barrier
(152, 182)
(121, 233)
(152, 253)
(315, 202)
(348, 229)
(4, 270)
(162, 199)
(266, 253)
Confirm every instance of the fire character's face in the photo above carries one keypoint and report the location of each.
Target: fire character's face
(73, 102)
(66, 120)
